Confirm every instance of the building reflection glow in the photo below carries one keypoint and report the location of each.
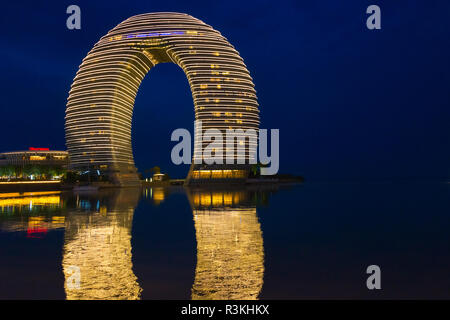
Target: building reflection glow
(99, 245)
(230, 253)
(97, 239)
(29, 212)
(16, 202)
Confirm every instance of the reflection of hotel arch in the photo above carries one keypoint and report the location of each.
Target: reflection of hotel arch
(100, 246)
(100, 104)
(230, 253)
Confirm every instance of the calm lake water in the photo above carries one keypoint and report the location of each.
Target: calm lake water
(309, 241)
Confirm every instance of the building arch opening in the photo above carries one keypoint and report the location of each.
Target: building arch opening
(163, 104)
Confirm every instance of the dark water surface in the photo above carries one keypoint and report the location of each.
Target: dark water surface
(303, 242)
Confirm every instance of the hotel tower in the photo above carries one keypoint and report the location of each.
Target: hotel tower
(101, 100)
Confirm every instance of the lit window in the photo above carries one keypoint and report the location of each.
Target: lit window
(37, 158)
(238, 173)
(217, 199)
(205, 200)
(205, 174)
(195, 174)
(217, 174)
(228, 199)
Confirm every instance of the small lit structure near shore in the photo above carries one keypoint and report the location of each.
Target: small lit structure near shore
(159, 177)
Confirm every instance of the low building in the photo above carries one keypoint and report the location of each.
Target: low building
(35, 163)
(160, 177)
(35, 156)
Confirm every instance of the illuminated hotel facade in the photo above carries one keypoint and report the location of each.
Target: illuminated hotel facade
(101, 100)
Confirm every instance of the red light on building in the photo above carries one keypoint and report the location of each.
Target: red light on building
(38, 149)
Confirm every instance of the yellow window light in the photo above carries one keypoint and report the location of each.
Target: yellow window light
(37, 158)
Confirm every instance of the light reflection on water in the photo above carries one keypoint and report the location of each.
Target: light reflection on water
(98, 234)
(99, 244)
(313, 241)
(230, 253)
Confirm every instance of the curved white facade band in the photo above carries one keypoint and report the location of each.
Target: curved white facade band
(100, 104)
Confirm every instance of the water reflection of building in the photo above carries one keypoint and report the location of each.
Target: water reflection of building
(33, 212)
(157, 195)
(97, 239)
(99, 244)
(230, 253)
(15, 202)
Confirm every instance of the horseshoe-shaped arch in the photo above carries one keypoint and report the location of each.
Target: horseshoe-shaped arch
(101, 100)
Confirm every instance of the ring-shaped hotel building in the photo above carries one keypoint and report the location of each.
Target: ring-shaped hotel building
(101, 100)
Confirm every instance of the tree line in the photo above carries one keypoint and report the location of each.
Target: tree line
(39, 172)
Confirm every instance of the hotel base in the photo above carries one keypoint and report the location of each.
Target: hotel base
(198, 174)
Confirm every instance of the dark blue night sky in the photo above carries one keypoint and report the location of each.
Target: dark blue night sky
(350, 103)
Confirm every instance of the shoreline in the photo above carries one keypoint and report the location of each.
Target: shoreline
(35, 186)
(30, 186)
